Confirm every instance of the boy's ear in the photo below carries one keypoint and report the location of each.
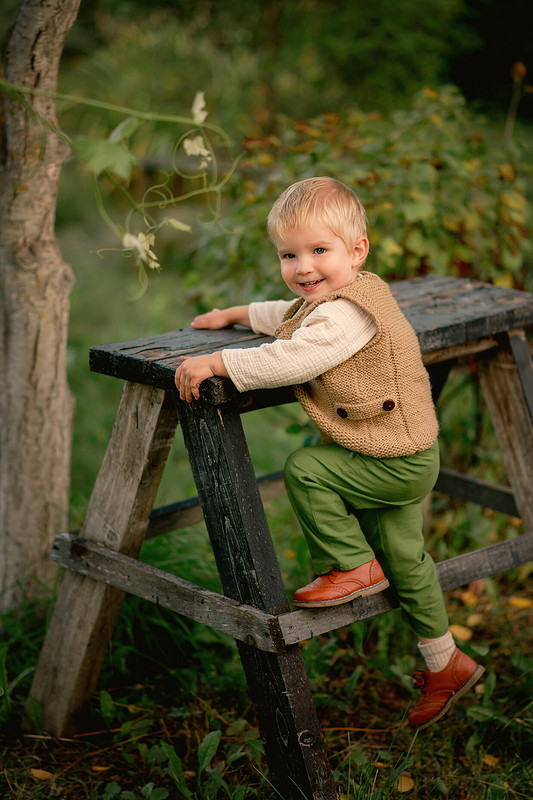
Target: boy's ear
(360, 251)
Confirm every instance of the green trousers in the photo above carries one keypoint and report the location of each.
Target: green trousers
(353, 508)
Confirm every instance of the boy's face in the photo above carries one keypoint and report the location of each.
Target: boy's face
(315, 261)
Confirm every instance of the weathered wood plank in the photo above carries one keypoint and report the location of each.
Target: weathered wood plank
(242, 622)
(303, 624)
(458, 351)
(522, 356)
(234, 515)
(249, 572)
(250, 625)
(174, 516)
(154, 360)
(475, 490)
(503, 391)
(445, 312)
(486, 561)
(119, 508)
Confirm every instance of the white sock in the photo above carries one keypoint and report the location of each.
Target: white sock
(437, 652)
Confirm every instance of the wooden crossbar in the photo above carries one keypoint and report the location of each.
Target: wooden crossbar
(250, 625)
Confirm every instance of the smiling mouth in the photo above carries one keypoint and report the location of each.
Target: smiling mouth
(311, 284)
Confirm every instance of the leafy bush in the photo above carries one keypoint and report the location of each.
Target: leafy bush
(442, 195)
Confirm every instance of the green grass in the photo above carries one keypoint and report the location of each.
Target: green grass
(170, 685)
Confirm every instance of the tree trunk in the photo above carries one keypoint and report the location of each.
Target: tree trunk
(36, 406)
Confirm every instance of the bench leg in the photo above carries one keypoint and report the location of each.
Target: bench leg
(249, 572)
(117, 516)
(506, 380)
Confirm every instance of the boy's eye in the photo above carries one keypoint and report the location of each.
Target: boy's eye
(320, 250)
(288, 255)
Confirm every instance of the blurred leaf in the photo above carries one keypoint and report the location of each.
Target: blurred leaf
(506, 280)
(520, 602)
(107, 707)
(175, 770)
(461, 632)
(390, 246)
(416, 242)
(34, 711)
(42, 774)
(236, 727)
(420, 210)
(207, 749)
(124, 129)
(405, 783)
(102, 155)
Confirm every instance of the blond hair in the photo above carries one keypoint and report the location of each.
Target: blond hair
(319, 201)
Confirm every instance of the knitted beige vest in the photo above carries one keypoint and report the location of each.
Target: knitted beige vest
(378, 402)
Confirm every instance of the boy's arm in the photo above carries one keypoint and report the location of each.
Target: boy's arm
(195, 369)
(222, 318)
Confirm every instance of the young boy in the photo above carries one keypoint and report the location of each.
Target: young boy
(357, 371)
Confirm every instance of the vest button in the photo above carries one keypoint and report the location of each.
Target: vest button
(388, 405)
(342, 412)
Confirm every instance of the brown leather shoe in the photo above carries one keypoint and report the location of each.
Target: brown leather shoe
(439, 690)
(340, 586)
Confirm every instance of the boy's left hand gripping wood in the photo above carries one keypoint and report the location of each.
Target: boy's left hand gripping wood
(117, 516)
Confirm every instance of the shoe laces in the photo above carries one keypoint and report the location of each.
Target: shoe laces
(420, 680)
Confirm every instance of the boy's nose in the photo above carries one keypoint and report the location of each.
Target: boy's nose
(304, 266)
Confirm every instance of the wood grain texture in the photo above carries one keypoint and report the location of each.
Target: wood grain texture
(502, 386)
(168, 591)
(249, 573)
(86, 610)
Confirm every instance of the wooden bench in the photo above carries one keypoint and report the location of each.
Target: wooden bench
(455, 319)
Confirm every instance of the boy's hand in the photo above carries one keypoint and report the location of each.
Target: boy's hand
(213, 320)
(222, 318)
(195, 369)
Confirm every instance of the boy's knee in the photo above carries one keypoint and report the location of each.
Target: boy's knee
(292, 465)
(299, 464)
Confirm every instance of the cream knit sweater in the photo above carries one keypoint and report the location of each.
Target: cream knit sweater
(328, 336)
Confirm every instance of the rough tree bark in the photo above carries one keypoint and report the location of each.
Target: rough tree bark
(36, 406)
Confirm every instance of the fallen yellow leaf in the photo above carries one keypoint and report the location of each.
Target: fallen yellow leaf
(461, 632)
(41, 774)
(405, 783)
(469, 598)
(98, 768)
(474, 619)
(489, 760)
(521, 602)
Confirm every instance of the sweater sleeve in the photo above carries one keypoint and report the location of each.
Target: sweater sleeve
(267, 315)
(329, 335)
